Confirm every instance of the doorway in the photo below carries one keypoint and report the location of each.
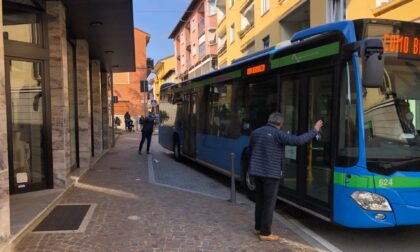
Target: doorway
(26, 116)
(304, 99)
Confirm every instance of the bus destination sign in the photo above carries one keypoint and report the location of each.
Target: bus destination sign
(401, 44)
(255, 69)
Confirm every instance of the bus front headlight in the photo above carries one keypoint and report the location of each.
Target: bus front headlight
(371, 201)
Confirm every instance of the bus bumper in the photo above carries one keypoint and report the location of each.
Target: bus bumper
(348, 213)
(406, 215)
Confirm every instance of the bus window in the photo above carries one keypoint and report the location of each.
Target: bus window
(262, 101)
(289, 106)
(239, 119)
(392, 113)
(220, 109)
(348, 140)
(202, 115)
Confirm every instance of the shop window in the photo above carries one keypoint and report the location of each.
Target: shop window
(22, 26)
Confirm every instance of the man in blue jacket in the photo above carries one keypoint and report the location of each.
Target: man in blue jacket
(146, 132)
(266, 165)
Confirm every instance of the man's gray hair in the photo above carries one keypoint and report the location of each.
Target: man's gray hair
(276, 118)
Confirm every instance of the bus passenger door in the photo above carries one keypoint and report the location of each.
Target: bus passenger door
(318, 167)
(190, 126)
(289, 106)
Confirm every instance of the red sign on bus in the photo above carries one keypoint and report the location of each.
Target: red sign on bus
(401, 44)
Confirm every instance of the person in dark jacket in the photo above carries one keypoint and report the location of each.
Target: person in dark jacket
(267, 146)
(127, 118)
(146, 132)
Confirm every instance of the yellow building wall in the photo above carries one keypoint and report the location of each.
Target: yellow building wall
(266, 24)
(161, 69)
(318, 12)
(405, 10)
(269, 23)
(221, 26)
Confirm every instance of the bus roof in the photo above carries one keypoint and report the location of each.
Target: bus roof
(347, 28)
(344, 26)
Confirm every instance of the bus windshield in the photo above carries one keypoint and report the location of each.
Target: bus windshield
(392, 112)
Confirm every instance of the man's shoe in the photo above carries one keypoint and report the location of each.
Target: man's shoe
(269, 237)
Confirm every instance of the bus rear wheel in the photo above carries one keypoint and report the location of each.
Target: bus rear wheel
(250, 186)
(247, 179)
(177, 151)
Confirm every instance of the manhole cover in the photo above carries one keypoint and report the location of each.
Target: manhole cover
(67, 218)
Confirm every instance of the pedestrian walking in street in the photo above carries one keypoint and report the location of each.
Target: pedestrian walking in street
(147, 131)
(127, 118)
(141, 121)
(267, 145)
(117, 121)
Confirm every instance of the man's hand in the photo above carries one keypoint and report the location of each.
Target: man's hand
(318, 125)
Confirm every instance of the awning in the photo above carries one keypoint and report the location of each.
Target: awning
(108, 27)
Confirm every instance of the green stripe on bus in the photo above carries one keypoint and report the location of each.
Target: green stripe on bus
(356, 181)
(397, 182)
(220, 78)
(311, 54)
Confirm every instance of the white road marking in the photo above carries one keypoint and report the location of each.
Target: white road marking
(308, 235)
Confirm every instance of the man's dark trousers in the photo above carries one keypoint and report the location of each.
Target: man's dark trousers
(145, 136)
(267, 189)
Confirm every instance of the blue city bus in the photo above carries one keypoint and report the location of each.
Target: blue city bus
(361, 77)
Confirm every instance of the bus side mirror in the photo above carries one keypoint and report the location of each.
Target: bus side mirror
(371, 52)
(373, 63)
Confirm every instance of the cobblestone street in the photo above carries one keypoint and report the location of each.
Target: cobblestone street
(135, 215)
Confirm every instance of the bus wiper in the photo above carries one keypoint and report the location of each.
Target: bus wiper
(395, 164)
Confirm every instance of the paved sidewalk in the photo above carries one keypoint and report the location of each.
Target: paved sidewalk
(135, 215)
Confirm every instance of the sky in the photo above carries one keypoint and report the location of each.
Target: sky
(158, 18)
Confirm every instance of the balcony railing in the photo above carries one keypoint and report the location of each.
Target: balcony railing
(244, 31)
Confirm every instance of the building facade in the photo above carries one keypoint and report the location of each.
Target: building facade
(165, 72)
(404, 10)
(195, 40)
(127, 85)
(247, 26)
(56, 65)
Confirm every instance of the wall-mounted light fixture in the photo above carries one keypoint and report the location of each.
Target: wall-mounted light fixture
(96, 23)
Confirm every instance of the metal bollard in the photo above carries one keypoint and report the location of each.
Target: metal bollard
(232, 179)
